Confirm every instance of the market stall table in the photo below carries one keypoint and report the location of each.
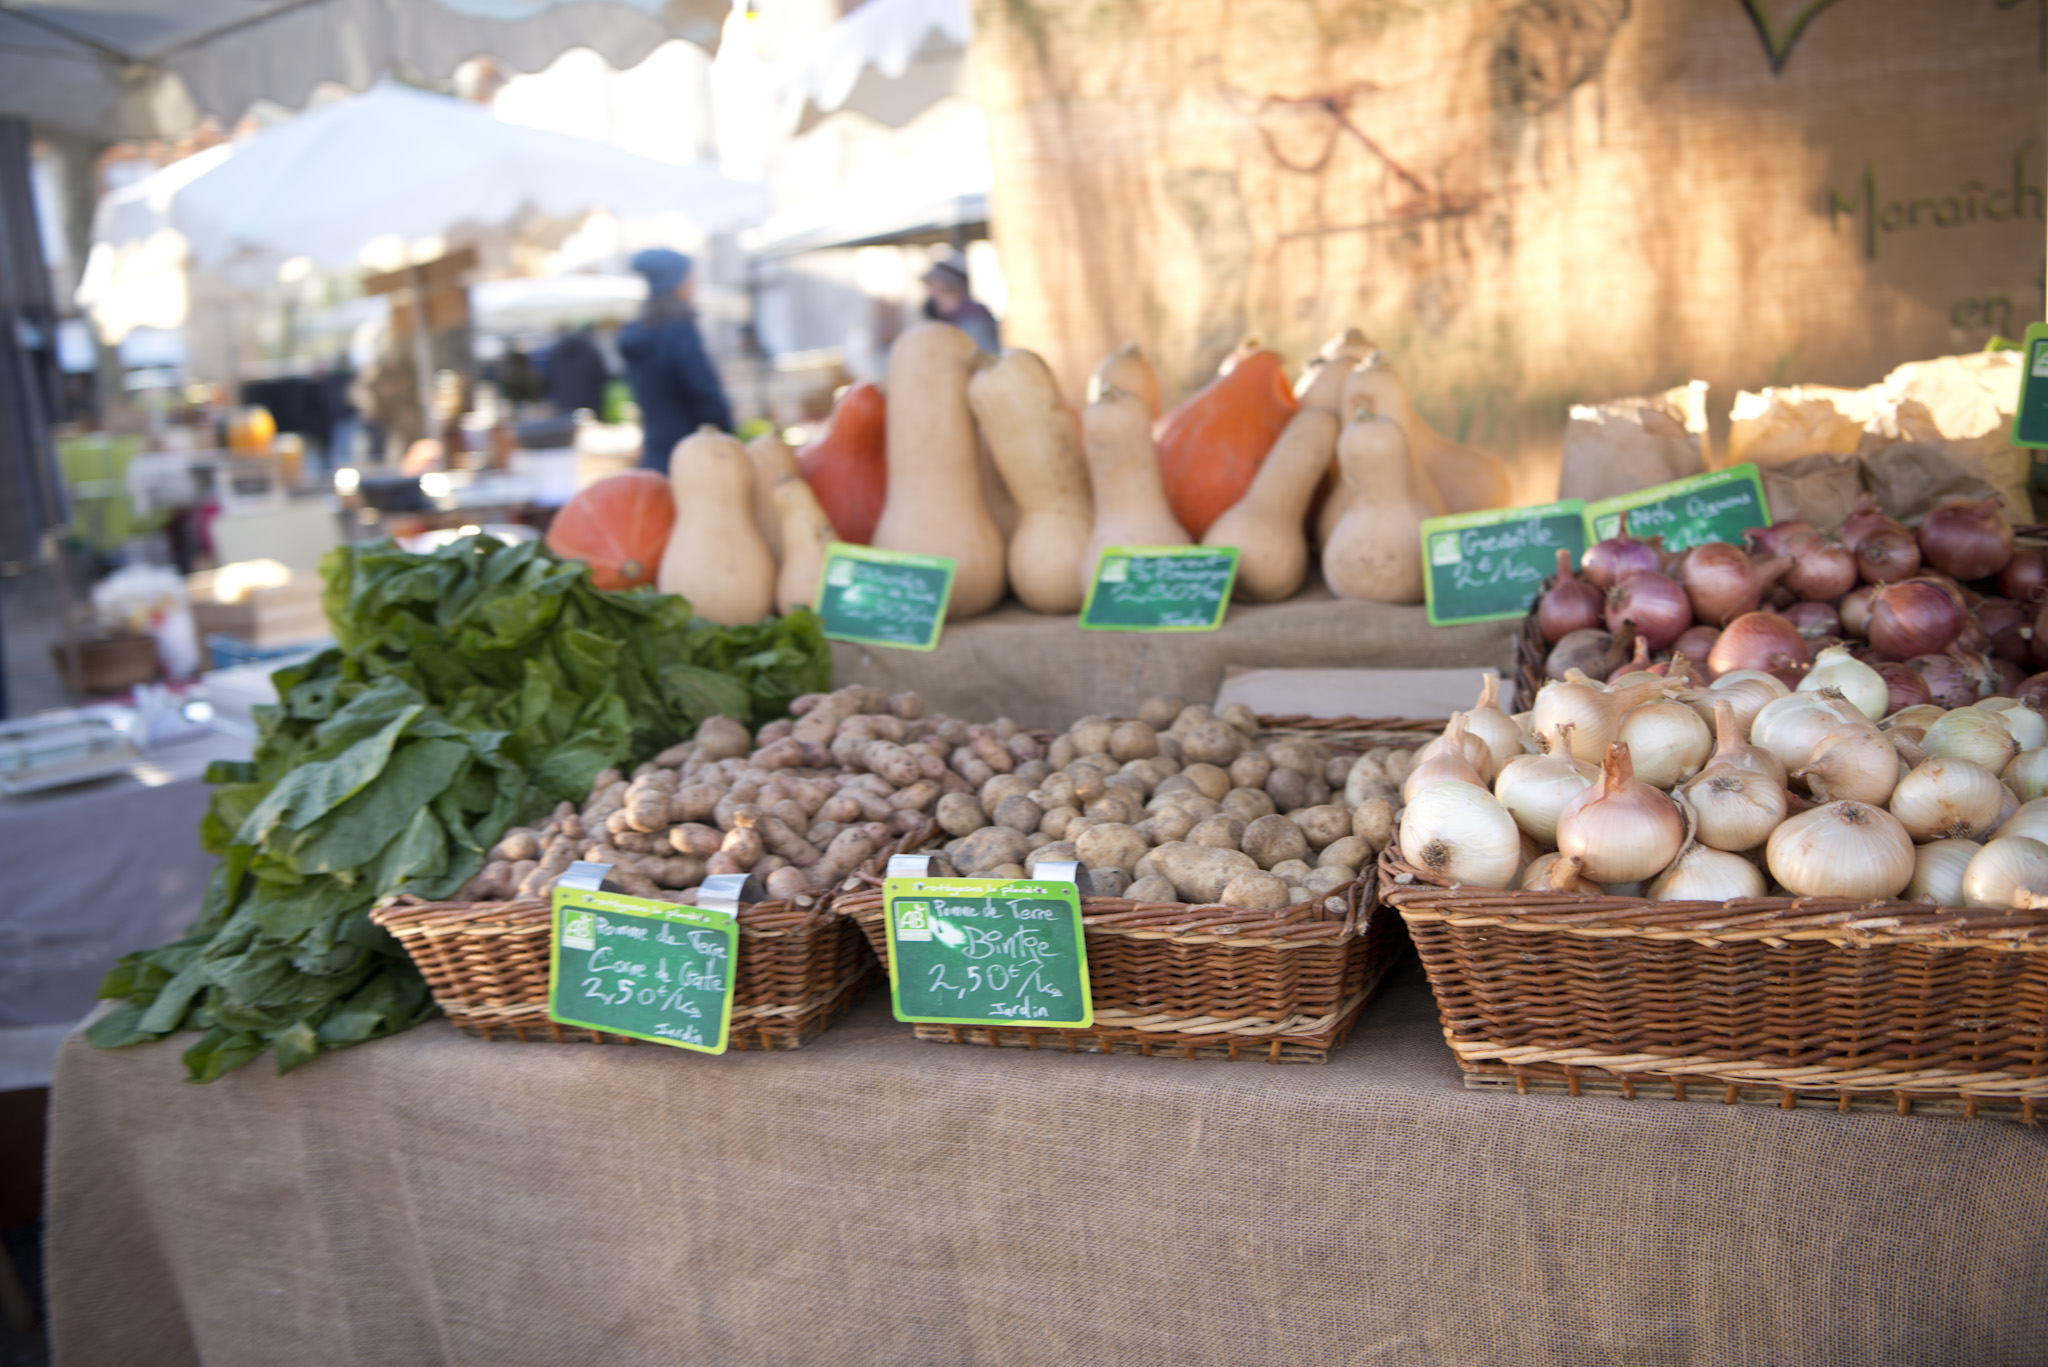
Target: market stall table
(876, 1199)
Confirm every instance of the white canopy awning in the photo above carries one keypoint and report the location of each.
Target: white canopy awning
(147, 68)
(890, 60)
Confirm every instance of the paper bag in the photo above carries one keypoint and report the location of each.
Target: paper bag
(1820, 488)
(1785, 423)
(1910, 478)
(1960, 407)
(1623, 445)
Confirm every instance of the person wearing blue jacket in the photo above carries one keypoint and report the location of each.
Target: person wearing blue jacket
(672, 379)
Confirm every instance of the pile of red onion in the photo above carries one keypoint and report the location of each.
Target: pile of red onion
(1948, 612)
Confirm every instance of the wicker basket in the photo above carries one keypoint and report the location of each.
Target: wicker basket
(487, 966)
(1809, 1002)
(1202, 981)
(1353, 735)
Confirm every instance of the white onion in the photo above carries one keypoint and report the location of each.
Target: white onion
(1845, 849)
(1836, 668)
(1535, 788)
(1700, 874)
(1458, 832)
(2025, 721)
(1983, 738)
(1938, 872)
(1736, 809)
(2009, 873)
(1443, 767)
(1732, 751)
(1555, 873)
(1747, 689)
(1495, 729)
(1793, 725)
(1667, 742)
(1594, 713)
(2027, 775)
(1919, 717)
(1620, 830)
(1947, 799)
(2031, 820)
(1854, 763)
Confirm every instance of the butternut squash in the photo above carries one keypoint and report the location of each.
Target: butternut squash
(716, 557)
(1123, 475)
(1266, 525)
(935, 504)
(1036, 444)
(1127, 368)
(1375, 550)
(1212, 445)
(1322, 383)
(1468, 479)
(771, 459)
(806, 533)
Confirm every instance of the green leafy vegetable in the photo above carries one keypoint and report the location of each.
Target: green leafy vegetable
(472, 688)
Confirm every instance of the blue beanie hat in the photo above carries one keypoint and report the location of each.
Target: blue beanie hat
(664, 269)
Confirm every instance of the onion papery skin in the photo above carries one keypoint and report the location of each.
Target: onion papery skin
(1620, 830)
(1771, 540)
(1938, 872)
(1841, 849)
(1816, 621)
(1594, 652)
(1653, 603)
(2009, 873)
(1607, 563)
(1459, 832)
(1966, 538)
(2025, 575)
(1696, 642)
(1735, 809)
(1722, 582)
(2034, 686)
(1907, 688)
(1947, 683)
(1887, 555)
(1758, 640)
(1947, 799)
(1568, 604)
(1913, 618)
(1864, 519)
(1821, 570)
(1854, 610)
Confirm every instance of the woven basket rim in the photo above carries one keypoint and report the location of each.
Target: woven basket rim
(521, 915)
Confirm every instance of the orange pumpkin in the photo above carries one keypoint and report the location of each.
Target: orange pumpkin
(847, 467)
(1212, 445)
(618, 526)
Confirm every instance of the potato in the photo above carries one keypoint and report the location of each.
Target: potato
(1131, 785)
(1222, 831)
(1197, 806)
(722, 738)
(1337, 771)
(1133, 740)
(960, 814)
(1212, 743)
(1328, 879)
(694, 838)
(1324, 824)
(1019, 813)
(1006, 871)
(1199, 872)
(1150, 773)
(1061, 752)
(1111, 845)
(1158, 712)
(1108, 882)
(1398, 763)
(1091, 735)
(1254, 891)
(1209, 780)
(1349, 851)
(999, 787)
(1287, 787)
(1057, 819)
(1057, 851)
(1293, 870)
(1033, 771)
(1241, 717)
(1117, 807)
(1190, 717)
(1171, 784)
(1299, 894)
(1168, 823)
(990, 848)
(1298, 755)
(1249, 804)
(1169, 747)
(1088, 783)
(1373, 822)
(1272, 840)
(1366, 773)
(1078, 825)
(1250, 769)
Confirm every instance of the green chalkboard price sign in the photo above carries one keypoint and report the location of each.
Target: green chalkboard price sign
(1160, 588)
(884, 598)
(1716, 507)
(652, 970)
(2030, 424)
(1488, 565)
(982, 951)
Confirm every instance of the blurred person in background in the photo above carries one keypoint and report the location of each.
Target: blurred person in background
(673, 380)
(951, 302)
(576, 373)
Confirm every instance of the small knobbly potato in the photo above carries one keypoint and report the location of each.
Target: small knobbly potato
(1108, 882)
(1019, 813)
(1213, 742)
(959, 814)
(1156, 888)
(1061, 752)
(1167, 823)
(1287, 788)
(1111, 846)
(1056, 820)
(1254, 890)
(1221, 831)
(999, 787)
(1170, 747)
(1190, 717)
(1350, 852)
(1273, 840)
(1132, 740)
(722, 738)
(1365, 776)
(1197, 806)
(1297, 755)
(990, 848)
(1159, 712)
(1210, 780)
(1337, 771)
(1328, 879)
(1397, 764)
(1006, 871)
(1250, 769)
(1292, 870)
(1240, 718)
(1091, 735)
(1200, 872)
(1324, 824)
(1057, 851)
(1373, 822)
(1248, 804)
(1116, 807)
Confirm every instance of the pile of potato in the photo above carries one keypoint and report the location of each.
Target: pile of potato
(1175, 805)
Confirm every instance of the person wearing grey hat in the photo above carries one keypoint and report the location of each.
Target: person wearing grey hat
(951, 302)
(672, 378)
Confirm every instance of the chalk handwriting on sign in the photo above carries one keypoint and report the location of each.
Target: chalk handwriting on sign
(1488, 565)
(1160, 588)
(1716, 507)
(884, 598)
(977, 951)
(651, 970)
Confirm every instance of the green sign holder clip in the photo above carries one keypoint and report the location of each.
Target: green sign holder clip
(1160, 588)
(655, 971)
(987, 951)
(874, 597)
(2030, 423)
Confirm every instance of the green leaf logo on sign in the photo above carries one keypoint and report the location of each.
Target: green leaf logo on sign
(650, 970)
(1715, 507)
(981, 951)
(884, 598)
(1160, 588)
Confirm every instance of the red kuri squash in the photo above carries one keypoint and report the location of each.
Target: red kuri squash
(1212, 445)
(618, 526)
(847, 466)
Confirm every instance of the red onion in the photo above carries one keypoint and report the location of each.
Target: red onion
(2025, 574)
(1967, 539)
(2034, 686)
(1607, 563)
(1908, 689)
(1722, 582)
(1864, 519)
(1654, 602)
(1948, 683)
(1695, 642)
(1887, 555)
(1855, 610)
(1592, 651)
(1569, 604)
(1822, 571)
(2010, 677)
(1913, 618)
(2010, 629)
(1770, 540)
(1682, 667)
(1814, 620)
(1640, 664)
(2040, 642)
(1757, 640)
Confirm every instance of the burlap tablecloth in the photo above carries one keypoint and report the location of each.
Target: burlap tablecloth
(872, 1199)
(1045, 671)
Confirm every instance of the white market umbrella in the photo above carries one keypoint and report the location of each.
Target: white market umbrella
(399, 161)
(890, 60)
(150, 68)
